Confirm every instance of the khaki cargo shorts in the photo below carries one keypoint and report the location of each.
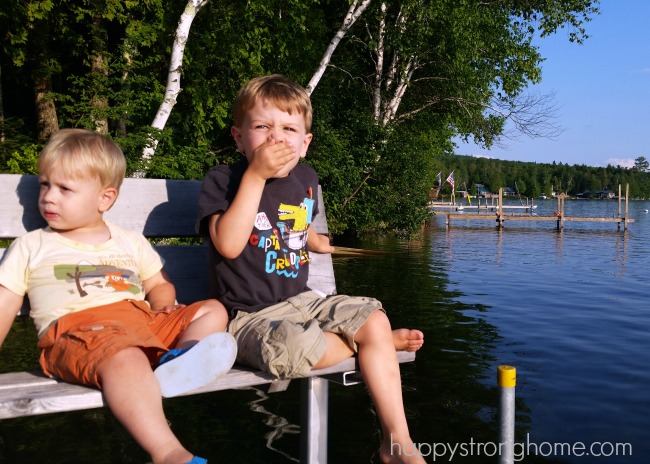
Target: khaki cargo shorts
(287, 339)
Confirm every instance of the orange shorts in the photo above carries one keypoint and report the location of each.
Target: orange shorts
(76, 345)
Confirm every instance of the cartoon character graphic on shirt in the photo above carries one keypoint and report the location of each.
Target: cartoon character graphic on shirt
(85, 275)
(295, 237)
(285, 243)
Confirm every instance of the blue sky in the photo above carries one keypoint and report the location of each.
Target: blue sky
(602, 93)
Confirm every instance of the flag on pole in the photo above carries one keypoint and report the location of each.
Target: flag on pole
(450, 180)
(440, 179)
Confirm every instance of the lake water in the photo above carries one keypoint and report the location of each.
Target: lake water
(567, 308)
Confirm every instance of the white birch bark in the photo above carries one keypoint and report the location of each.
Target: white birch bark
(351, 17)
(397, 80)
(379, 64)
(398, 94)
(173, 79)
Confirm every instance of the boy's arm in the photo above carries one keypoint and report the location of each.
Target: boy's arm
(160, 292)
(318, 243)
(230, 229)
(10, 304)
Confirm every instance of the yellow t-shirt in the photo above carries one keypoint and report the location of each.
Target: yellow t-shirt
(61, 276)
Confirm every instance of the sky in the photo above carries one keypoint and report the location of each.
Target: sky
(602, 93)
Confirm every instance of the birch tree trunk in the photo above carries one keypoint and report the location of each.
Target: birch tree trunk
(379, 63)
(351, 17)
(389, 85)
(173, 79)
(389, 89)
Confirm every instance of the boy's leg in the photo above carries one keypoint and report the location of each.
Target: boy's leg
(381, 373)
(337, 351)
(210, 318)
(361, 324)
(202, 350)
(85, 348)
(279, 339)
(133, 395)
(341, 316)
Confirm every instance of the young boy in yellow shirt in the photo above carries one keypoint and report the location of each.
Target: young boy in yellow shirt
(104, 308)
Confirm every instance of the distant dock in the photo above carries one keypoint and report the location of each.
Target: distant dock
(498, 212)
(493, 206)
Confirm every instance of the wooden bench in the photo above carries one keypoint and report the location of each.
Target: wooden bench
(163, 209)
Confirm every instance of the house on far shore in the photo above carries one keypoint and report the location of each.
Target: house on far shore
(509, 192)
(596, 194)
(482, 191)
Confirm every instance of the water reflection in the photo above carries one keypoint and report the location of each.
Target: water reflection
(454, 376)
(280, 425)
(621, 254)
(559, 241)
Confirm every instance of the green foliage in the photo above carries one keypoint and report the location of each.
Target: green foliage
(106, 62)
(641, 164)
(16, 140)
(374, 181)
(25, 160)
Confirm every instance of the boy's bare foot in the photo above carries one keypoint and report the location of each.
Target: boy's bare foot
(408, 339)
(396, 451)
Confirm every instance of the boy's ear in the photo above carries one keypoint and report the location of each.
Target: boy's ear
(236, 134)
(305, 145)
(107, 199)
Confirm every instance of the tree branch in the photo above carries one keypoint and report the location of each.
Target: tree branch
(173, 79)
(351, 17)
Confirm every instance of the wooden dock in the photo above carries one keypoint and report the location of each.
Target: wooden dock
(492, 206)
(498, 214)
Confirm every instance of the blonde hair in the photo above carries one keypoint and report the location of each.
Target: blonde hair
(277, 90)
(80, 152)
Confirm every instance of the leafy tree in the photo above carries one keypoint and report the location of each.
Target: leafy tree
(404, 79)
(641, 164)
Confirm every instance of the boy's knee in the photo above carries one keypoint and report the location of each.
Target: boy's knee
(378, 320)
(376, 327)
(213, 306)
(215, 310)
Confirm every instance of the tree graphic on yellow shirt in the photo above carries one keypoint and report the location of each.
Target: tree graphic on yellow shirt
(115, 278)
